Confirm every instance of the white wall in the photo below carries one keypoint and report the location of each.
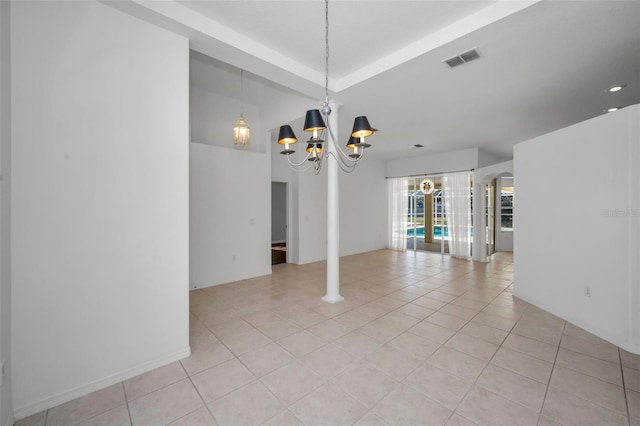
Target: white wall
(586, 232)
(99, 200)
(363, 208)
(465, 159)
(230, 201)
(312, 214)
(278, 212)
(230, 215)
(212, 116)
(6, 410)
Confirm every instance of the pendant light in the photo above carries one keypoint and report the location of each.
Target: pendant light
(241, 130)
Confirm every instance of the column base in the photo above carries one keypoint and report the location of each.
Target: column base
(332, 299)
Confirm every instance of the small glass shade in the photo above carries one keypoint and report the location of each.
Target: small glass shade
(361, 127)
(286, 135)
(313, 121)
(241, 132)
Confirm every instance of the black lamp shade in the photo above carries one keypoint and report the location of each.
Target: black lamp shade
(286, 135)
(313, 121)
(352, 142)
(361, 127)
(316, 145)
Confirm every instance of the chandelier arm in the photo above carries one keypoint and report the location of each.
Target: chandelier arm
(292, 164)
(302, 169)
(347, 168)
(340, 158)
(346, 157)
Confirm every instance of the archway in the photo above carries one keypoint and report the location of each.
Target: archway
(481, 178)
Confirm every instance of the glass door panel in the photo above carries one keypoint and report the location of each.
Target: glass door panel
(426, 224)
(416, 216)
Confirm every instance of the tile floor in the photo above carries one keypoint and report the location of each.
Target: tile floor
(419, 340)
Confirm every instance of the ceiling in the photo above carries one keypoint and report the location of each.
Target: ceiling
(544, 64)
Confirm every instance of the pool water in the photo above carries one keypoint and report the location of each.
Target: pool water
(437, 232)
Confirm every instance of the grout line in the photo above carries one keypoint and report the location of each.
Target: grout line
(201, 398)
(624, 389)
(126, 402)
(546, 391)
(440, 345)
(456, 332)
(487, 364)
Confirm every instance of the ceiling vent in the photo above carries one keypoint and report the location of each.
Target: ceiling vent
(463, 58)
(417, 146)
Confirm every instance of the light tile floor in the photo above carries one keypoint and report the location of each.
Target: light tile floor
(420, 339)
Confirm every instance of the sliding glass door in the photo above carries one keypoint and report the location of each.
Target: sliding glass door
(426, 222)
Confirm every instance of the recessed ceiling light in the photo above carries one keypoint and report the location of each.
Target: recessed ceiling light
(616, 88)
(613, 109)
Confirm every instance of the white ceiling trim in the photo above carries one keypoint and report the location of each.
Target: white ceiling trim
(251, 55)
(215, 31)
(464, 26)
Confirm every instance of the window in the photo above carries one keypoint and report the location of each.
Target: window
(506, 206)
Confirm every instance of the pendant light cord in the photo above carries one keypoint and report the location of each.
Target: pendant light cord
(241, 92)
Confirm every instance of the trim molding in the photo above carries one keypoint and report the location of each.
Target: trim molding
(66, 396)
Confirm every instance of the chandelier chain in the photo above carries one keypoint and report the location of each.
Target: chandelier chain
(361, 128)
(326, 43)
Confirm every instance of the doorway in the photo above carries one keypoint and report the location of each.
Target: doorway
(278, 222)
(426, 221)
(490, 216)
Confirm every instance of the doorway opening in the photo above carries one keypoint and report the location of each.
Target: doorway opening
(426, 221)
(498, 215)
(490, 216)
(278, 223)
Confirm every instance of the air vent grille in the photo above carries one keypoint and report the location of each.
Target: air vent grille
(455, 61)
(462, 58)
(470, 55)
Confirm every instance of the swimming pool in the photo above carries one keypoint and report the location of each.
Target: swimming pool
(437, 232)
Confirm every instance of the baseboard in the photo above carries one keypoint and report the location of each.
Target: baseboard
(614, 340)
(201, 285)
(61, 398)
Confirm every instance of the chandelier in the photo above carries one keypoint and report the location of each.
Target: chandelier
(317, 123)
(322, 126)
